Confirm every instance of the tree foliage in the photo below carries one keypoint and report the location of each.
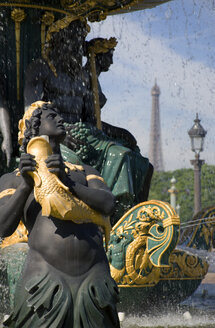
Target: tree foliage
(185, 187)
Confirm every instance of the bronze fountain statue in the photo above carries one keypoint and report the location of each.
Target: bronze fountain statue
(66, 279)
(73, 170)
(66, 203)
(78, 95)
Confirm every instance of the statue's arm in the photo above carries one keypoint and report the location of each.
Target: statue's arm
(88, 111)
(12, 206)
(96, 194)
(34, 82)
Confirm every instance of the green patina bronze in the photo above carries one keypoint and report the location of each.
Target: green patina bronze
(142, 242)
(161, 242)
(124, 170)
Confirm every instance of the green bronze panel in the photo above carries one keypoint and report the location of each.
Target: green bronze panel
(142, 242)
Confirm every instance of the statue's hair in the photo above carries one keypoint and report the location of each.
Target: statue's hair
(33, 124)
(55, 33)
(100, 45)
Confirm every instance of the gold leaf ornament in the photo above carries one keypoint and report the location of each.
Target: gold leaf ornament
(18, 15)
(47, 18)
(102, 45)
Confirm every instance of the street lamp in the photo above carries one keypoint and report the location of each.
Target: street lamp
(197, 134)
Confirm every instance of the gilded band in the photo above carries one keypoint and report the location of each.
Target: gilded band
(171, 220)
(18, 15)
(93, 176)
(73, 167)
(7, 192)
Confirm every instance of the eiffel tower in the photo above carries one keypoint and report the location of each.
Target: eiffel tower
(155, 148)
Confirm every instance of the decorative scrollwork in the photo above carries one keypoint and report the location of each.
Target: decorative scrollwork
(184, 266)
(98, 10)
(18, 15)
(93, 10)
(136, 251)
(200, 233)
(19, 236)
(46, 20)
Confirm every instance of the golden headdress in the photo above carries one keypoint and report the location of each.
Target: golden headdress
(56, 27)
(27, 116)
(63, 23)
(101, 45)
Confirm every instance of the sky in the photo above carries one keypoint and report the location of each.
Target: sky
(175, 44)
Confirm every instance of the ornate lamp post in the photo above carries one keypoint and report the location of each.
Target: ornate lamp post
(197, 134)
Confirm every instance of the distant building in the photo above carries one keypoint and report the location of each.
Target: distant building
(155, 146)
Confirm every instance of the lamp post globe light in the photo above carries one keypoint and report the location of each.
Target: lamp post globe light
(197, 134)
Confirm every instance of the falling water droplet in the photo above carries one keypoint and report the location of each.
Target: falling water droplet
(168, 13)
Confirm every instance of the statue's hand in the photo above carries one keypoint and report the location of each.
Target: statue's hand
(56, 165)
(7, 149)
(73, 143)
(27, 164)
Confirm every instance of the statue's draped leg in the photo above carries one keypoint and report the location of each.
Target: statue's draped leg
(48, 298)
(95, 303)
(43, 302)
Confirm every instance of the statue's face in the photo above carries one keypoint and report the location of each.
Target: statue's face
(51, 124)
(105, 60)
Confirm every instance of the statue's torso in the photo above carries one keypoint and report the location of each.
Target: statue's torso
(68, 93)
(69, 247)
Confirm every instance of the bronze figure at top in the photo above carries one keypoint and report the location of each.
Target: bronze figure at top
(77, 93)
(59, 77)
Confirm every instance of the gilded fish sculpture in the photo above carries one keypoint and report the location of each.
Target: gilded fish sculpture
(54, 197)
